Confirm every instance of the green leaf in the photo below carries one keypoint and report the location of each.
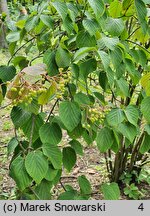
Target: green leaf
(68, 195)
(145, 147)
(31, 23)
(61, 8)
(83, 52)
(54, 154)
(62, 58)
(115, 117)
(91, 26)
(141, 14)
(123, 86)
(51, 174)
(114, 26)
(46, 96)
(68, 25)
(13, 143)
(87, 67)
(43, 190)
(128, 130)
(70, 114)
(98, 7)
(132, 114)
(50, 133)
(69, 158)
(13, 37)
(33, 107)
(49, 60)
(116, 57)
(105, 58)
(47, 20)
(7, 73)
(115, 8)
(108, 42)
(104, 139)
(145, 108)
(111, 191)
(19, 116)
(76, 145)
(145, 82)
(82, 99)
(27, 127)
(85, 186)
(84, 39)
(36, 165)
(19, 173)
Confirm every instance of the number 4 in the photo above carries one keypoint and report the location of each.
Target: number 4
(141, 207)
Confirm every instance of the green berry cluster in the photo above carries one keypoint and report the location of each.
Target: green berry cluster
(64, 79)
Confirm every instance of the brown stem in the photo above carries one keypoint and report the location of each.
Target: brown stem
(51, 111)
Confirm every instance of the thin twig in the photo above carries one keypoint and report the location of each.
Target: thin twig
(138, 45)
(51, 111)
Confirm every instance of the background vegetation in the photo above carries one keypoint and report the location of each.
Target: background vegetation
(77, 81)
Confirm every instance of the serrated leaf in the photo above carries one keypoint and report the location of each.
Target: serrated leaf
(128, 130)
(43, 190)
(84, 39)
(145, 107)
(13, 143)
(61, 8)
(115, 117)
(31, 23)
(19, 116)
(49, 60)
(62, 57)
(51, 174)
(145, 147)
(132, 114)
(104, 139)
(145, 82)
(85, 186)
(47, 20)
(70, 114)
(97, 6)
(91, 26)
(87, 67)
(69, 158)
(76, 145)
(111, 191)
(82, 99)
(105, 58)
(68, 195)
(19, 173)
(83, 52)
(115, 8)
(114, 26)
(50, 133)
(54, 154)
(108, 42)
(27, 127)
(36, 165)
(123, 86)
(141, 14)
(7, 73)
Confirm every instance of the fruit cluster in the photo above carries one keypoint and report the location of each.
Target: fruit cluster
(96, 115)
(63, 81)
(21, 91)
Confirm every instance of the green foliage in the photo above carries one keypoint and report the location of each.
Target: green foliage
(88, 62)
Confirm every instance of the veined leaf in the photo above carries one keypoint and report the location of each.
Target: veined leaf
(98, 7)
(84, 39)
(128, 130)
(50, 133)
(85, 186)
(7, 73)
(36, 165)
(91, 26)
(111, 191)
(69, 158)
(104, 139)
(145, 108)
(61, 8)
(105, 58)
(19, 173)
(54, 154)
(114, 26)
(108, 42)
(70, 114)
(83, 52)
(62, 58)
(145, 147)
(132, 114)
(115, 117)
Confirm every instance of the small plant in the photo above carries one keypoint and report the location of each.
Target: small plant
(133, 192)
